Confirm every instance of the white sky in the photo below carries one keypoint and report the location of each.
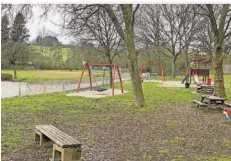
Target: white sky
(36, 25)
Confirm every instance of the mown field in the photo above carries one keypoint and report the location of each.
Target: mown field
(51, 75)
(168, 128)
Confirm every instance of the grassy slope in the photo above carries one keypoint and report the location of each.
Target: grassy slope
(20, 115)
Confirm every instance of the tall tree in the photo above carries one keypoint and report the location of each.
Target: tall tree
(5, 30)
(76, 16)
(19, 35)
(127, 34)
(168, 26)
(220, 27)
(100, 29)
(4, 40)
(220, 33)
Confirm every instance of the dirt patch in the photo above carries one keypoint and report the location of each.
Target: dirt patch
(179, 131)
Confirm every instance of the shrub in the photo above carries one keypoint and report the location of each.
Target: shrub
(6, 77)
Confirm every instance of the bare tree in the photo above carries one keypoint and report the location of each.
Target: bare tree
(170, 26)
(75, 18)
(219, 18)
(101, 30)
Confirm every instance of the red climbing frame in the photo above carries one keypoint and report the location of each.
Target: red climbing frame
(115, 68)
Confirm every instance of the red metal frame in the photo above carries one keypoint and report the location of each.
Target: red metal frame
(115, 68)
(162, 73)
(161, 66)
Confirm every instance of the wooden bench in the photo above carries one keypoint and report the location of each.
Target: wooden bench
(199, 103)
(65, 148)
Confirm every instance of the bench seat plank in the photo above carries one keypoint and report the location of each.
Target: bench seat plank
(61, 135)
(57, 136)
(199, 103)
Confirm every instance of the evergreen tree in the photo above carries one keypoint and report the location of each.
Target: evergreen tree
(18, 54)
(19, 32)
(5, 29)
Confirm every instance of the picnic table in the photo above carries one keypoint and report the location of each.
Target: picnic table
(205, 88)
(212, 100)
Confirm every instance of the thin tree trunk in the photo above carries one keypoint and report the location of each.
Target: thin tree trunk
(110, 79)
(110, 71)
(15, 73)
(173, 68)
(131, 56)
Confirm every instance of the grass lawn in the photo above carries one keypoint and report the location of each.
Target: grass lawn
(50, 75)
(168, 128)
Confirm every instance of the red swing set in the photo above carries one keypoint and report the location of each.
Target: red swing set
(115, 68)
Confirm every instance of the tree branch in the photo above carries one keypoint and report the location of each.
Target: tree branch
(133, 14)
(115, 20)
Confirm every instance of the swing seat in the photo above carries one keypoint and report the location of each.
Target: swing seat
(99, 89)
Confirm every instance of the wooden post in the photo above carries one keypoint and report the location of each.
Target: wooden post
(66, 154)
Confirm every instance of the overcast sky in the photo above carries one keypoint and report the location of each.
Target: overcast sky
(36, 25)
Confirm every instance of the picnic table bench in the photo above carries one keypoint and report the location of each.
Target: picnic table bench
(213, 99)
(205, 88)
(199, 103)
(65, 148)
(210, 100)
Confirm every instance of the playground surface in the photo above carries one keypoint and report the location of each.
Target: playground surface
(168, 128)
(95, 94)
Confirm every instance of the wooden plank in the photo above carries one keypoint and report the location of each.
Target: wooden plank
(215, 98)
(199, 103)
(65, 136)
(54, 136)
(58, 136)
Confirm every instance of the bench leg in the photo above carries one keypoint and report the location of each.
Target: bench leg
(65, 154)
(39, 137)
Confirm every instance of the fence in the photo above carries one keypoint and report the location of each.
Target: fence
(227, 68)
(18, 89)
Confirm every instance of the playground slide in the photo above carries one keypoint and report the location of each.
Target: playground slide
(196, 79)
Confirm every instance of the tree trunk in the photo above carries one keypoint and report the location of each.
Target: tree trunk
(219, 75)
(186, 60)
(173, 68)
(110, 79)
(15, 73)
(131, 56)
(219, 33)
(110, 71)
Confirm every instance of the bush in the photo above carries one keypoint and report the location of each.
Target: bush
(6, 77)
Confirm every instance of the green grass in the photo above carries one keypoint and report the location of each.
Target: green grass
(51, 75)
(22, 110)
(20, 115)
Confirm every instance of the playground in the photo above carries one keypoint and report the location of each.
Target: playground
(169, 126)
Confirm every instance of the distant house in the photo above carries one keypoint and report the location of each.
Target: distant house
(47, 41)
